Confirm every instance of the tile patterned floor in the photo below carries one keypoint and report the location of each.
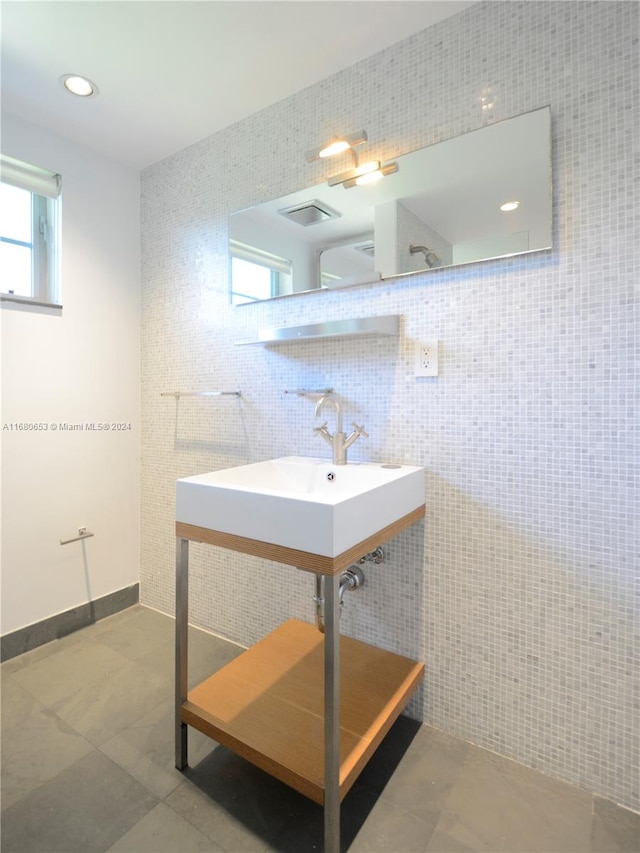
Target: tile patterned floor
(87, 765)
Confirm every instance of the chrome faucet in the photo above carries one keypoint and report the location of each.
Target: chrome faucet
(339, 441)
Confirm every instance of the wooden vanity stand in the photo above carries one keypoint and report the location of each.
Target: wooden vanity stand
(309, 708)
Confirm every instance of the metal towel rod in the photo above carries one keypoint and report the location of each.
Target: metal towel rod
(178, 394)
(313, 392)
(83, 533)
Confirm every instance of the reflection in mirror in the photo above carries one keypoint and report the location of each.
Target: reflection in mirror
(486, 194)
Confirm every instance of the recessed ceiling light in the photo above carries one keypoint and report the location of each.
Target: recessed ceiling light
(77, 85)
(510, 205)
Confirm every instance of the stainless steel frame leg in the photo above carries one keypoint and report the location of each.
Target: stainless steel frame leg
(182, 617)
(332, 715)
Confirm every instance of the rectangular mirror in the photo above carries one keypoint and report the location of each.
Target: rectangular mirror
(443, 207)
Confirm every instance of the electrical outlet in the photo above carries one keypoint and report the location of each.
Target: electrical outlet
(426, 358)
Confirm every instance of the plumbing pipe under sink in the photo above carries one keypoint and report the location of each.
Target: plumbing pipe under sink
(351, 579)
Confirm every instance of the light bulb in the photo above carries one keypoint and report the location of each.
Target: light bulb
(333, 148)
(369, 177)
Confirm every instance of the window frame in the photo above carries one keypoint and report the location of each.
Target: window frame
(45, 188)
(276, 265)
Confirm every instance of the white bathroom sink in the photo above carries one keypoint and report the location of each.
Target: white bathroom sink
(301, 503)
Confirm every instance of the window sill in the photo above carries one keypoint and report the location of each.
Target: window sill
(23, 300)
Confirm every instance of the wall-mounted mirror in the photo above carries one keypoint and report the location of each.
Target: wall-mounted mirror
(443, 207)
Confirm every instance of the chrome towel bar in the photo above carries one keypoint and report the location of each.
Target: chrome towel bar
(83, 533)
(311, 393)
(178, 394)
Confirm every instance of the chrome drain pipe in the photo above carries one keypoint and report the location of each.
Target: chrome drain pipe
(351, 579)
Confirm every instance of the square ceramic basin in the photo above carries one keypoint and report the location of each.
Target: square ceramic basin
(302, 503)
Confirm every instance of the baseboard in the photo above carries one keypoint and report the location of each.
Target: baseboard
(25, 639)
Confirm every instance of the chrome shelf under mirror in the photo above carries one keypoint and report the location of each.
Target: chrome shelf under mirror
(386, 325)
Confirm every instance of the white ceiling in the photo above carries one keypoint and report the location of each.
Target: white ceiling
(171, 72)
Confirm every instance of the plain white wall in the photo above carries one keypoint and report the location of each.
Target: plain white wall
(79, 365)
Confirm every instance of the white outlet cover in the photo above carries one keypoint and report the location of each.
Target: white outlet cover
(426, 358)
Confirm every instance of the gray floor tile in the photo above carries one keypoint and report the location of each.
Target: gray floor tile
(424, 777)
(614, 829)
(160, 660)
(304, 829)
(87, 753)
(108, 706)
(236, 805)
(242, 808)
(498, 805)
(220, 825)
(136, 632)
(205, 658)
(163, 831)
(207, 654)
(36, 751)
(69, 670)
(86, 808)
(122, 617)
(17, 703)
(28, 658)
(452, 835)
(390, 828)
(146, 750)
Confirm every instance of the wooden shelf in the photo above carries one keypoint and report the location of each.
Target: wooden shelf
(267, 705)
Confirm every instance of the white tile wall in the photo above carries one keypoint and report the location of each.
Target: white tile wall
(518, 589)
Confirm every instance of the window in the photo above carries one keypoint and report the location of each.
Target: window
(256, 274)
(29, 232)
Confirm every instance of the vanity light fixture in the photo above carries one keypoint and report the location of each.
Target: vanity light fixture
(78, 85)
(510, 205)
(372, 177)
(355, 173)
(337, 145)
(367, 173)
(360, 173)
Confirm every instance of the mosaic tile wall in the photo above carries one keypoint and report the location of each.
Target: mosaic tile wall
(518, 588)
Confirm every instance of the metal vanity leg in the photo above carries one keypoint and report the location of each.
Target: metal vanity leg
(182, 617)
(332, 715)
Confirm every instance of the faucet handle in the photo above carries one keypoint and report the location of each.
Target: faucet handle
(319, 429)
(360, 430)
